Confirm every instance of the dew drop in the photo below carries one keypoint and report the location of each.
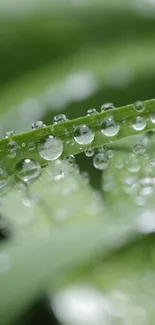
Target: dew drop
(51, 148)
(27, 170)
(38, 125)
(110, 127)
(107, 107)
(60, 118)
(92, 111)
(139, 106)
(71, 160)
(3, 177)
(89, 152)
(139, 124)
(139, 149)
(152, 117)
(110, 154)
(31, 146)
(84, 135)
(133, 164)
(85, 176)
(13, 146)
(9, 134)
(100, 161)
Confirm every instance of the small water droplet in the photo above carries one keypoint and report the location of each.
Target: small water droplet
(100, 161)
(110, 154)
(139, 124)
(84, 135)
(85, 176)
(9, 134)
(139, 149)
(3, 177)
(119, 164)
(152, 161)
(31, 146)
(89, 152)
(51, 148)
(110, 127)
(133, 164)
(27, 170)
(13, 146)
(139, 106)
(152, 117)
(92, 111)
(38, 125)
(107, 107)
(71, 160)
(60, 118)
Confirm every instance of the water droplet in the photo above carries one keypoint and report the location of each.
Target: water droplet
(100, 161)
(38, 125)
(139, 106)
(152, 117)
(84, 135)
(51, 148)
(92, 111)
(31, 146)
(152, 161)
(89, 152)
(71, 160)
(139, 124)
(103, 148)
(110, 127)
(110, 154)
(139, 149)
(107, 107)
(13, 146)
(60, 118)
(9, 134)
(133, 164)
(27, 170)
(3, 177)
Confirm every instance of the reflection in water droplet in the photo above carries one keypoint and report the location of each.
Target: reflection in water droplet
(89, 152)
(27, 170)
(51, 148)
(38, 125)
(84, 135)
(139, 149)
(60, 118)
(139, 124)
(107, 107)
(139, 106)
(100, 161)
(92, 111)
(152, 117)
(110, 127)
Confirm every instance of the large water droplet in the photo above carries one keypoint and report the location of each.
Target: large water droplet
(51, 148)
(139, 106)
(92, 111)
(3, 177)
(139, 124)
(27, 170)
(89, 152)
(84, 135)
(60, 118)
(107, 107)
(110, 127)
(152, 117)
(100, 161)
